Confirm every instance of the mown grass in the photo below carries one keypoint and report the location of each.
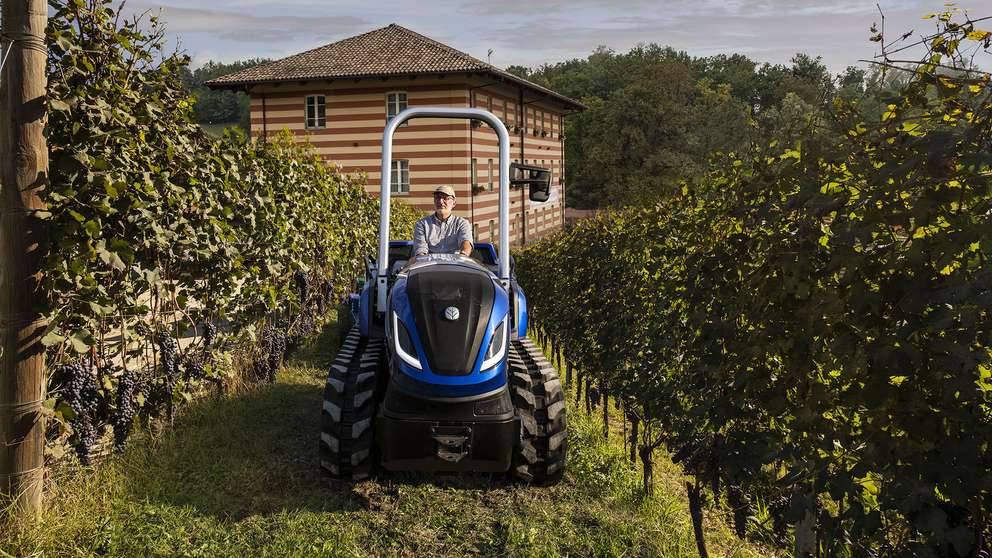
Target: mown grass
(238, 476)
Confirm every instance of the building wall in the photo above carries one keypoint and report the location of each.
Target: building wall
(440, 151)
(545, 150)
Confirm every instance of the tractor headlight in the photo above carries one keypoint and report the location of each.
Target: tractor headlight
(403, 344)
(497, 347)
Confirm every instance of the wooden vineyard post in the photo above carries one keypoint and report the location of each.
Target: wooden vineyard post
(23, 240)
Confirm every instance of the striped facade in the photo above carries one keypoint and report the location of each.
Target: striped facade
(438, 151)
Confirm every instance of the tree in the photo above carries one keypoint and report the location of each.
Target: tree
(219, 107)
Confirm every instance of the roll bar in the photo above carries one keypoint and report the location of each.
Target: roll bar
(386, 183)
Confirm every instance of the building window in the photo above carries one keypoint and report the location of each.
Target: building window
(475, 174)
(490, 175)
(399, 177)
(490, 105)
(475, 232)
(502, 111)
(395, 103)
(492, 232)
(316, 113)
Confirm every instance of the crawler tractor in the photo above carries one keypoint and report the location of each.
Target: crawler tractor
(437, 372)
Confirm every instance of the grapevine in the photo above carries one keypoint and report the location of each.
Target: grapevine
(161, 214)
(808, 326)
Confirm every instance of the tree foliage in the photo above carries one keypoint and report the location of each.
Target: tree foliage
(658, 116)
(219, 106)
(808, 327)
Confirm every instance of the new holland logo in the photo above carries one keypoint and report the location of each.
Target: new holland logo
(451, 313)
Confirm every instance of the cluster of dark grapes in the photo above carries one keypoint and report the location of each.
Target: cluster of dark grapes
(278, 347)
(302, 281)
(169, 354)
(194, 369)
(209, 334)
(304, 326)
(272, 348)
(127, 388)
(780, 527)
(741, 508)
(80, 393)
(325, 294)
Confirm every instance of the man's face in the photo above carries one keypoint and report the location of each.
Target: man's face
(443, 203)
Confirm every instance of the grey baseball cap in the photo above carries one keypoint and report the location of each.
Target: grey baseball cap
(447, 190)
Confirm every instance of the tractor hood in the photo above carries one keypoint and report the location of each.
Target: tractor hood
(451, 306)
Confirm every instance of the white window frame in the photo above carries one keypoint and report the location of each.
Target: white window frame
(319, 104)
(399, 169)
(394, 104)
(490, 175)
(475, 173)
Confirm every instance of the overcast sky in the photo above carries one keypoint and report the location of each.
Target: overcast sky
(531, 32)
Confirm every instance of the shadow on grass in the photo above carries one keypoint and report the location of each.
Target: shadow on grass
(256, 453)
(236, 457)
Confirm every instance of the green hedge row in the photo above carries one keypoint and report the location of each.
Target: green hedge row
(158, 230)
(807, 328)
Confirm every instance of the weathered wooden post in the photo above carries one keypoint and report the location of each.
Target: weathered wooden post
(23, 239)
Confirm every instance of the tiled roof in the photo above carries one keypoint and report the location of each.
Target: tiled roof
(390, 51)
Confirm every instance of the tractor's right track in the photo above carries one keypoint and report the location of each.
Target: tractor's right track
(538, 396)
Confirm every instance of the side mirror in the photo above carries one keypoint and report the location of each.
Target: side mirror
(538, 179)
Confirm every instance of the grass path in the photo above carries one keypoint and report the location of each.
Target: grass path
(238, 476)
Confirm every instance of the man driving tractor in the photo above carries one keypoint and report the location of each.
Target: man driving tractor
(442, 232)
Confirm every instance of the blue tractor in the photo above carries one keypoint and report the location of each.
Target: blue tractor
(437, 373)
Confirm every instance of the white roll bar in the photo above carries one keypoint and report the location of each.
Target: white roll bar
(385, 181)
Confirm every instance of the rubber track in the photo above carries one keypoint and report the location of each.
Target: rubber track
(539, 399)
(347, 416)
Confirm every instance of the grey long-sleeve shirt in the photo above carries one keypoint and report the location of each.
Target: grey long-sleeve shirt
(434, 236)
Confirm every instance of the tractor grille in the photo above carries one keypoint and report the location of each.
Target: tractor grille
(451, 345)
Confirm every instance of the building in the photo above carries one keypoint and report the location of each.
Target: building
(338, 97)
